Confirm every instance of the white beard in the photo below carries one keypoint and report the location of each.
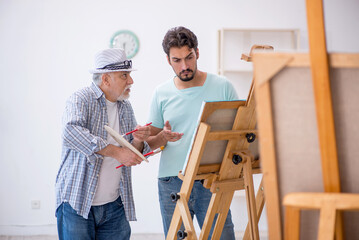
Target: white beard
(124, 96)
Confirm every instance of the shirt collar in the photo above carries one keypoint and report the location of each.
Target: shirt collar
(98, 92)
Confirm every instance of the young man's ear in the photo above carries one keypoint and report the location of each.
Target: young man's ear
(197, 53)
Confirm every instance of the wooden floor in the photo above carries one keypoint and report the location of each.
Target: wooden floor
(263, 236)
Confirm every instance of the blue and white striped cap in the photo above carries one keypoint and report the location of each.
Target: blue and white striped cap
(112, 60)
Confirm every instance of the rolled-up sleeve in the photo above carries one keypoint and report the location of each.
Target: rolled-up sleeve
(76, 133)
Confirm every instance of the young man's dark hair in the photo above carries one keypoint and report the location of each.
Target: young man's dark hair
(179, 37)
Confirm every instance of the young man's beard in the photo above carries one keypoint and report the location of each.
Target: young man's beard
(187, 78)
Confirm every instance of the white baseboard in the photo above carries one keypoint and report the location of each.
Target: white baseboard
(28, 230)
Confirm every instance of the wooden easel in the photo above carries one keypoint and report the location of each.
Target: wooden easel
(232, 172)
(305, 164)
(331, 203)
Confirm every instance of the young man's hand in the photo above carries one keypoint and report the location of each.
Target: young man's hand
(170, 136)
(159, 137)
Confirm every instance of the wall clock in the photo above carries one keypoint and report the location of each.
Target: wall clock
(126, 40)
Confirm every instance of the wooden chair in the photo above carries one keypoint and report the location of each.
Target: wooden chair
(329, 205)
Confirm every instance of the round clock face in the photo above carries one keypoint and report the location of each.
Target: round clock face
(126, 40)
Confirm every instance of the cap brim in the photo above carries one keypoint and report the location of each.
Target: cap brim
(92, 71)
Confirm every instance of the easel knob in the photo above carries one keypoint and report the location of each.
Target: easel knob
(250, 137)
(181, 234)
(236, 159)
(174, 197)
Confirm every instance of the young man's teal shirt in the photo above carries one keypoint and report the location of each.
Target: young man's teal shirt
(181, 108)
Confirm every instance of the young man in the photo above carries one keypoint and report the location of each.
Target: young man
(174, 113)
(94, 199)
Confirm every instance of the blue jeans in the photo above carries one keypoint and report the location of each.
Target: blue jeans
(107, 222)
(198, 205)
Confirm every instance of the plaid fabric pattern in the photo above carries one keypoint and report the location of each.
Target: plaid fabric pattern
(84, 135)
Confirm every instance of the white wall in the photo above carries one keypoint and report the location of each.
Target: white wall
(46, 49)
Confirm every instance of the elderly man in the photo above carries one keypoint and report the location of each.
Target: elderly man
(94, 199)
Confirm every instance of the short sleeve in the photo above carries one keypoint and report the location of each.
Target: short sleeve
(231, 93)
(156, 115)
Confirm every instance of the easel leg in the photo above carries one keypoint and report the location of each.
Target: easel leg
(222, 214)
(211, 212)
(327, 218)
(250, 198)
(339, 227)
(292, 223)
(259, 206)
(220, 203)
(175, 224)
(186, 216)
(188, 181)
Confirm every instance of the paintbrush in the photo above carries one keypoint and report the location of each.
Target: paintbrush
(134, 130)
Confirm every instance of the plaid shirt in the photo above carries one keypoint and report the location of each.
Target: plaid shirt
(84, 135)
